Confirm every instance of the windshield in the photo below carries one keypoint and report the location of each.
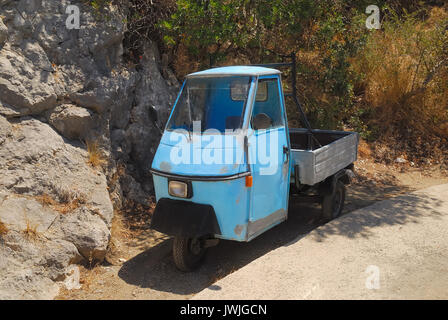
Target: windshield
(214, 103)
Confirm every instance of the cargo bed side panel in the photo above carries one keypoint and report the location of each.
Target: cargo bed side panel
(305, 160)
(335, 156)
(317, 165)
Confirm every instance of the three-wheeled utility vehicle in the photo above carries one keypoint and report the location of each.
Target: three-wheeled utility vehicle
(227, 162)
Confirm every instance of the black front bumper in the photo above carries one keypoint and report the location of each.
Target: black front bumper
(184, 218)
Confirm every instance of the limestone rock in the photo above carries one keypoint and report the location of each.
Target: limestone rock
(48, 234)
(71, 121)
(57, 87)
(86, 231)
(20, 213)
(3, 32)
(25, 88)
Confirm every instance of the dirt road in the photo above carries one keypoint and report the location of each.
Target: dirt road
(394, 249)
(149, 273)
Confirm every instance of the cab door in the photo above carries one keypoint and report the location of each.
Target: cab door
(269, 157)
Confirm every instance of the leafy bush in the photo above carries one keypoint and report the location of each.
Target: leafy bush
(321, 34)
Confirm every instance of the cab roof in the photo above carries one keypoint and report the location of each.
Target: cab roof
(235, 71)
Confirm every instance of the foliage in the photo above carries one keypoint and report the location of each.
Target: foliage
(382, 83)
(143, 18)
(243, 31)
(405, 78)
(379, 82)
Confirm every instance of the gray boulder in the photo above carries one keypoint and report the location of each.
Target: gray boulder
(35, 160)
(25, 88)
(30, 265)
(71, 121)
(20, 214)
(56, 207)
(86, 230)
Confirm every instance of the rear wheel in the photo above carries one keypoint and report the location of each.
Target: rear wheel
(333, 204)
(188, 253)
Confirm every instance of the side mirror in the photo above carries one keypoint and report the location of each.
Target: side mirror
(261, 121)
(154, 116)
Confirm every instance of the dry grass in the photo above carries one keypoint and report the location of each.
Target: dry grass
(68, 201)
(121, 170)
(68, 207)
(183, 63)
(120, 231)
(95, 158)
(88, 278)
(3, 229)
(131, 227)
(364, 150)
(120, 227)
(31, 230)
(405, 89)
(46, 200)
(406, 77)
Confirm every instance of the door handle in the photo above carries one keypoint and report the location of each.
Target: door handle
(286, 151)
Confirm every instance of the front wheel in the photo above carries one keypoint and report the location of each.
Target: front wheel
(333, 204)
(188, 253)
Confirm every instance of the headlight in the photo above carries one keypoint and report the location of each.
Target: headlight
(178, 189)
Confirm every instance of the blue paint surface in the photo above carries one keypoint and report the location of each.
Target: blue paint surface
(236, 70)
(270, 191)
(230, 199)
(197, 150)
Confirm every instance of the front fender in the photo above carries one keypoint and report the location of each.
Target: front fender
(184, 218)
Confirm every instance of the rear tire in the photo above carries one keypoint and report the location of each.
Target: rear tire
(188, 253)
(333, 203)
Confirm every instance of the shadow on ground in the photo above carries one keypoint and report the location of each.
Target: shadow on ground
(405, 209)
(154, 268)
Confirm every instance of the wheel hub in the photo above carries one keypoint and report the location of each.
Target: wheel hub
(195, 246)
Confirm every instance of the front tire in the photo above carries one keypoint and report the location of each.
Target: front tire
(188, 253)
(333, 203)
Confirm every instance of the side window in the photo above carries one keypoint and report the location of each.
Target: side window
(267, 104)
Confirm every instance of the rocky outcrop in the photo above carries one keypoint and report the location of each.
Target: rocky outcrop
(55, 206)
(71, 121)
(3, 33)
(61, 89)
